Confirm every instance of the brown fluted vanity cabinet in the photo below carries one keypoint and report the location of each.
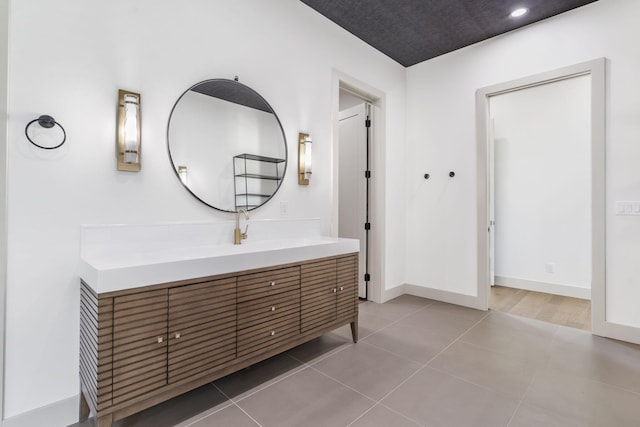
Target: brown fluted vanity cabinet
(142, 346)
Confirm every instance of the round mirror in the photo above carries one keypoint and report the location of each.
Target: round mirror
(227, 145)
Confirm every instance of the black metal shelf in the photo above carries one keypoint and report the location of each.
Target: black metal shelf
(249, 199)
(252, 195)
(259, 158)
(258, 176)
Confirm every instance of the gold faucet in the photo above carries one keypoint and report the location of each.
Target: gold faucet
(239, 236)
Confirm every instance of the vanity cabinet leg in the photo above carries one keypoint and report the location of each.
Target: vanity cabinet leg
(354, 330)
(104, 420)
(83, 411)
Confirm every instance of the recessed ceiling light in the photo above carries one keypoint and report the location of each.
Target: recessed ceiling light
(519, 12)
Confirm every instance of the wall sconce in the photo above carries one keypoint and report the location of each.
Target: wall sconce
(182, 173)
(128, 131)
(304, 158)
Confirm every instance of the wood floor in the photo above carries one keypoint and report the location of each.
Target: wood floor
(566, 311)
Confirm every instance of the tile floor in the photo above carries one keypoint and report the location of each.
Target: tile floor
(425, 363)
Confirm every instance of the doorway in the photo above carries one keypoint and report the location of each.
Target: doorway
(596, 70)
(539, 201)
(353, 146)
(351, 92)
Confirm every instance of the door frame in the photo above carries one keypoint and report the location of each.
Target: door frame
(597, 70)
(376, 184)
(357, 114)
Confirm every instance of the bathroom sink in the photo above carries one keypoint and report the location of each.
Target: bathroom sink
(125, 268)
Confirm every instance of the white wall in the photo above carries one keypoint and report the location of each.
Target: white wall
(4, 46)
(441, 223)
(158, 48)
(542, 145)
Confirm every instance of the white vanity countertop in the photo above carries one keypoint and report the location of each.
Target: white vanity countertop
(113, 271)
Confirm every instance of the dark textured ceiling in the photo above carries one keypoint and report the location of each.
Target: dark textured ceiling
(234, 92)
(412, 31)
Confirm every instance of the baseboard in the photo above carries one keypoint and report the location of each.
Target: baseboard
(548, 288)
(392, 293)
(61, 413)
(444, 296)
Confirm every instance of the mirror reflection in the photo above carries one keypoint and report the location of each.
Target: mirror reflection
(227, 145)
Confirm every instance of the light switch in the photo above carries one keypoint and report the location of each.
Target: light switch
(628, 208)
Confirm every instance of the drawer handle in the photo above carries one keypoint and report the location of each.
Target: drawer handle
(334, 290)
(342, 288)
(178, 335)
(273, 333)
(273, 308)
(160, 340)
(272, 283)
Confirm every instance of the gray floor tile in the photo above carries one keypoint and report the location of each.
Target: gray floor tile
(307, 398)
(231, 416)
(319, 348)
(397, 308)
(435, 398)
(529, 416)
(367, 324)
(439, 315)
(423, 334)
(513, 336)
(371, 371)
(602, 359)
(590, 402)
(258, 376)
(178, 409)
(417, 344)
(471, 314)
(381, 416)
(508, 375)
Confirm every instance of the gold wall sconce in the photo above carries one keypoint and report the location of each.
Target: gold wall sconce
(304, 158)
(183, 174)
(128, 131)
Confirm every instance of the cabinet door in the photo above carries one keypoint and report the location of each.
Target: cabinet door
(202, 328)
(139, 344)
(318, 294)
(347, 285)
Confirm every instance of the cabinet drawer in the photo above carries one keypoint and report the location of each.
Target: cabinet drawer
(257, 311)
(264, 284)
(268, 334)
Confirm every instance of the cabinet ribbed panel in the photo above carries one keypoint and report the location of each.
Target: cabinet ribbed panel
(268, 283)
(140, 331)
(268, 310)
(202, 328)
(255, 312)
(318, 300)
(96, 330)
(268, 334)
(347, 284)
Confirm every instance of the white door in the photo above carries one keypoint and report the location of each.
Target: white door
(492, 206)
(352, 182)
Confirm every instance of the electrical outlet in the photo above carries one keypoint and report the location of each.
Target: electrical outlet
(284, 208)
(550, 267)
